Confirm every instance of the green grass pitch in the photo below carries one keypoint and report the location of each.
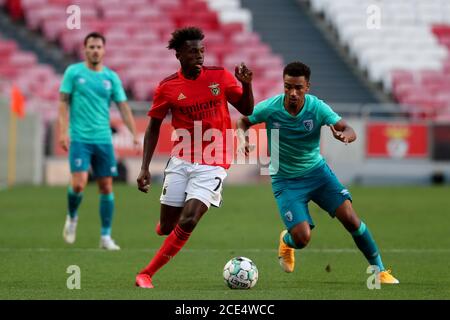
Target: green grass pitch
(410, 224)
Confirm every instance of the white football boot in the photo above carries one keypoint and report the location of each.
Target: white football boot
(108, 244)
(70, 229)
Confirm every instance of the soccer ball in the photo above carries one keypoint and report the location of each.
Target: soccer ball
(240, 273)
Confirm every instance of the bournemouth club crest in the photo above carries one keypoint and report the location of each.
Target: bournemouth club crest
(214, 89)
(107, 84)
(289, 217)
(309, 124)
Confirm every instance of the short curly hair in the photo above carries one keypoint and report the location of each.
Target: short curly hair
(180, 36)
(297, 69)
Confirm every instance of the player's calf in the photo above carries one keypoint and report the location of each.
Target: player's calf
(158, 229)
(164, 229)
(301, 240)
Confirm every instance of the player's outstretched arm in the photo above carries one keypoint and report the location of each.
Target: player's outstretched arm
(245, 76)
(128, 119)
(63, 120)
(343, 132)
(150, 141)
(242, 125)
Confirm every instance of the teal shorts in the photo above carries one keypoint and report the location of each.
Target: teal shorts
(98, 156)
(320, 185)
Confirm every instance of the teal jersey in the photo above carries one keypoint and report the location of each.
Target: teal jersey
(91, 93)
(298, 136)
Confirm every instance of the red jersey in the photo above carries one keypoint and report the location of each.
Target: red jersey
(200, 114)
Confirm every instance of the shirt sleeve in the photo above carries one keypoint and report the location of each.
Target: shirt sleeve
(118, 93)
(67, 81)
(160, 105)
(233, 91)
(326, 114)
(260, 113)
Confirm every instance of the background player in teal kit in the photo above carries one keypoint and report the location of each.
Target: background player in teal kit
(86, 92)
(300, 174)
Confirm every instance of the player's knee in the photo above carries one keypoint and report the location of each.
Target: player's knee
(105, 189)
(302, 239)
(191, 214)
(188, 223)
(78, 187)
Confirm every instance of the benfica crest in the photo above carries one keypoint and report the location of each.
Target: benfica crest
(309, 124)
(214, 89)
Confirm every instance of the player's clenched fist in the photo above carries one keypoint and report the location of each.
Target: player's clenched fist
(243, 74)
(143, 180)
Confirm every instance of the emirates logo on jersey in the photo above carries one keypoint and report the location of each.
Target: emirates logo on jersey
(215, 90)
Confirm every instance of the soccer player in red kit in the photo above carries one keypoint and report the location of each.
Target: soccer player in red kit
(197, 97)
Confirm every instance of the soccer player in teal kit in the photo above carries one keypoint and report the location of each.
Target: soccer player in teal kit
(300, 174)
(86, 92)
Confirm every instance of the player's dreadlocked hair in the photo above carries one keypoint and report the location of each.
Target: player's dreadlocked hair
(297, 69)
(180, 36)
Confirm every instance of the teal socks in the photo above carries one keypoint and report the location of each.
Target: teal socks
(106, 213)
(290, 242)
(365, 242)
(73, 201)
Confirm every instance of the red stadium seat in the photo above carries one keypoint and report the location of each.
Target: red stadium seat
(7, 48)
(36, 16)
(32, 4)
(230, 29)
(146, 12)
(23, 60)
(144, 90)
(8, 72)
(137, 33)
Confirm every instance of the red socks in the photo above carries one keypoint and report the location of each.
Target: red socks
(170, 247)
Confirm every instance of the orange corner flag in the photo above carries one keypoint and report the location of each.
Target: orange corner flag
(17, 102)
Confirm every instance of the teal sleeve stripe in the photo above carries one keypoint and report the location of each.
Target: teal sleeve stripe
(360, 231)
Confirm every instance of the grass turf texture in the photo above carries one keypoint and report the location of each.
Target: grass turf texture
(410, 224)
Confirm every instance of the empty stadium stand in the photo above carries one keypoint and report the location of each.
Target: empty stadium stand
(407, 52)
(292, 34)
(33, 78)
(407, 55)
(137, 32)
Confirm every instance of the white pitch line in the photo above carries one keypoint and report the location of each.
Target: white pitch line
(313, 250)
